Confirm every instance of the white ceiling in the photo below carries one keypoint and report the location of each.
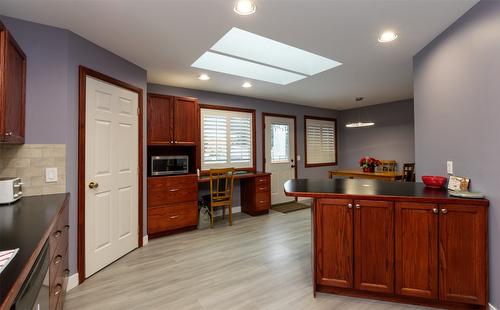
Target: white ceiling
(166, 36)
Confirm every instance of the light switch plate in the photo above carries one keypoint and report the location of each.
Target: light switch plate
(449, 167)
(298, 157)
(50, 175)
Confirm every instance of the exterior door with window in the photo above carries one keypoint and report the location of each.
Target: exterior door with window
(279, 150)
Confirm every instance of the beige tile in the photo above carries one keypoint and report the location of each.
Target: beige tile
(54, 152)
(32, 190)
(54, 189)
(30, 172)
(9, 172)
(17, 163)
(29, 152)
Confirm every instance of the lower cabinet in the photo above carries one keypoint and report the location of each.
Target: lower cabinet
(423, 251)
(172, 203)
(58, 268)
(256, 194)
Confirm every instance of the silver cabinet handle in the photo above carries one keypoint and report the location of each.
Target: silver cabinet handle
(349, 206)
(8, 133)
(174, 216)
(358, 206)
(173, 190)
(444, 211)
(435, 210)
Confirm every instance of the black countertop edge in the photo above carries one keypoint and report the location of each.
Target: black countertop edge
(25, 224)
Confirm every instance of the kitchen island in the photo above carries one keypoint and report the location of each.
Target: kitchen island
(395, 241)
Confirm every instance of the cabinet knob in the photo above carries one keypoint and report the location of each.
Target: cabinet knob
(435, 210)
(358, 206)
(349, 206)
(8, 133)
(57, 234)
(58, 289)
(444, 211)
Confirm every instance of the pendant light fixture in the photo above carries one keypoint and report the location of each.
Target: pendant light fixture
(359, 123)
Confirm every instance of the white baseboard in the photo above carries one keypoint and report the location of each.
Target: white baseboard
(145, 240)
(492, 307)
(72, 281)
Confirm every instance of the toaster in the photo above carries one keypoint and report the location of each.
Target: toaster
(11, 189)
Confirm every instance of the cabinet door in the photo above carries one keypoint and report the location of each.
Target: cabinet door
(160, 119)
(186, 121)
(334, 242)
(417, 249)
(462, 254)
(12, 89)
(374, 246)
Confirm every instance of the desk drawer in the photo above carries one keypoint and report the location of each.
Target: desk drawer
(262, 201)
(262, 188)
(164, 190)
(262, 180)
(172, 216)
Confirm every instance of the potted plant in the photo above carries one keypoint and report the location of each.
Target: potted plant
(368, 164)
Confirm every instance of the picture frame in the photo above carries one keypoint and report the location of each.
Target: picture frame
(456, 183)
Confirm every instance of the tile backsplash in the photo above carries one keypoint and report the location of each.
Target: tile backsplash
(29, 161)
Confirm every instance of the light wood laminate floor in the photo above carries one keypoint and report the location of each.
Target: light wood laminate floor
(258, 263)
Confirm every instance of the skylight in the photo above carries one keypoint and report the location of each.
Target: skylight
(260, 58)
(253, 47)
(230, 65)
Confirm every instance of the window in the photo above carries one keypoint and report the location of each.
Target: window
(280, 148)
(320, 141)
(227, 138)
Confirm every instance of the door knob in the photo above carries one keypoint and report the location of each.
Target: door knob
(93, 185)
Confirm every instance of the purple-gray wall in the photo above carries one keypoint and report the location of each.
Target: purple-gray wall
(457, 107)
(260, 106)
(391, 138)
(54, 56)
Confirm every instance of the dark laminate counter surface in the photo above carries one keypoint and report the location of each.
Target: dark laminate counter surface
(24, 225)
(372, 189)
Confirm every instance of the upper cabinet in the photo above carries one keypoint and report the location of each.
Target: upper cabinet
(12, 88)
(172, 120)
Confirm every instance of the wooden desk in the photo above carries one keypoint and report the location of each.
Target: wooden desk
(255, 191)
(359, 174)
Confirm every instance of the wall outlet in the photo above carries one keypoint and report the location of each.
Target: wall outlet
(449, 167)
(50, 175)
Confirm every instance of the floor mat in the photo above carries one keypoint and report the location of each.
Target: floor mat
(290, 207)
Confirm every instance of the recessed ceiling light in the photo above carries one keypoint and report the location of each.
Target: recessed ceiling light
(387, 36)
(246, 85)
(239, 67)
(204, 77)
(245, 7)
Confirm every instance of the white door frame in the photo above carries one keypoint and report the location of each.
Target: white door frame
(264, 115)
(83, 73)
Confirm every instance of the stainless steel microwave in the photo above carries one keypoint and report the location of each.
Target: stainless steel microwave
(167, 165)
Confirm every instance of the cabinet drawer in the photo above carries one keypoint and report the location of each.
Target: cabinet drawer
(57, 282)
(263, 180)
(262, 201)
(164, 190)
(58, 239)
(172, 216)
(262, 188)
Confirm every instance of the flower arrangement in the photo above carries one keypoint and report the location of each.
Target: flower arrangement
(368, 164)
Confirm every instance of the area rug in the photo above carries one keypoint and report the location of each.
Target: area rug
(290, 206)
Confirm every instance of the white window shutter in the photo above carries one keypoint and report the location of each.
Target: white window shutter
(321, 142)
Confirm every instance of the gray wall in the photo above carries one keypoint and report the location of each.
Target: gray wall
(260, 106)
(52, 93)
(392, 137)
(457, 91)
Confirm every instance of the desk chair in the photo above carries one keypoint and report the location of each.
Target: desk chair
(387, 165)
(221, 193)
(408, 172)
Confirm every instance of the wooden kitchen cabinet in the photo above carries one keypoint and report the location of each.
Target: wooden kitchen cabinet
(334, 242)
(172, 120)
(374, 246)
(416, 249)
(462, 254)
(256, 194)
(12, 88)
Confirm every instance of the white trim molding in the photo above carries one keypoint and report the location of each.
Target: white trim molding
(145, 240)
(72, 282)
(492, 307)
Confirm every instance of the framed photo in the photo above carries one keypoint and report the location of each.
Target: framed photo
(458, 183)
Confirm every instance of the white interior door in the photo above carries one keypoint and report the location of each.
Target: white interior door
(111, 162)
(280, 154)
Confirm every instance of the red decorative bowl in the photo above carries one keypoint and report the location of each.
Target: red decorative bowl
(434, 181)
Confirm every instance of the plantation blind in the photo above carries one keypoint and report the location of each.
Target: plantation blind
(226, 139)
(321, 141)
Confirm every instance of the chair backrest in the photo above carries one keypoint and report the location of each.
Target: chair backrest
(387, 165)
(221, 184)
(408, 172)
